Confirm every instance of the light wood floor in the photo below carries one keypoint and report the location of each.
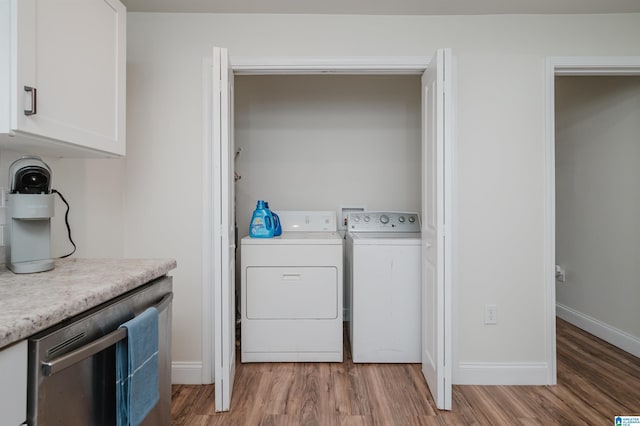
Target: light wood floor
(596, 381)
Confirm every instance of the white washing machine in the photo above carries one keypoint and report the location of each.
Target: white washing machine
(291, 291)
(383, 252)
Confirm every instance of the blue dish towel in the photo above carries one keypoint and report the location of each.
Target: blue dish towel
(137, 369)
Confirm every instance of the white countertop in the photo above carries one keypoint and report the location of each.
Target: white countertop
(29, 303)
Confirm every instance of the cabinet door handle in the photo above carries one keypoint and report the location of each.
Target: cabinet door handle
(34, 99)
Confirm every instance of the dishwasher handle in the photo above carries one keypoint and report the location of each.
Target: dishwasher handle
(56, 365)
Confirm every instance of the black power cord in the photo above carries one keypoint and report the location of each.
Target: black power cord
(66, 220)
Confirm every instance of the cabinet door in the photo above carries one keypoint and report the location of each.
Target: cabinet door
(73, 53)
(13, 384)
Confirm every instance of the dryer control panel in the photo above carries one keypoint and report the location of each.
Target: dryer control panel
(383, 222)
(308, 221)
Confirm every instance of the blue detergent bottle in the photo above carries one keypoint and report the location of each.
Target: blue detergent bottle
(262, 223)
(278, 228)
(277, 231)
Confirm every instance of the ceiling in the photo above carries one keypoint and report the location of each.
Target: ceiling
(387, 7)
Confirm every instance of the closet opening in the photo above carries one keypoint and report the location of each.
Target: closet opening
(364, 133)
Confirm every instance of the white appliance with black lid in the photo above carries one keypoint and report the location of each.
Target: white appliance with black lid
(291, 291)
(383, 251)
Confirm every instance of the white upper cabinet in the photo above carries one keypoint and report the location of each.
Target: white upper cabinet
(62, 77)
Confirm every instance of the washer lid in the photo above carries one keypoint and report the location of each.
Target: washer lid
(386, 238)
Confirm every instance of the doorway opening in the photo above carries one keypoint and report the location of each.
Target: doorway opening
(597, 208)
(576, 119)
(436, 190)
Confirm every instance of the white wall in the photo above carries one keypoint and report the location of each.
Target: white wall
(598, 208)
(500, 162)
(322, 142)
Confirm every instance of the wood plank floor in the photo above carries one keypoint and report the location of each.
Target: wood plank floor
(596, 381)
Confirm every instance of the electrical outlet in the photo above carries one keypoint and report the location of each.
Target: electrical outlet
(490, 314)
(561, 274)
(344, 212)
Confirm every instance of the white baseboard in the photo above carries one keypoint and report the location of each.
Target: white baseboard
(494, 373)
(186, 373)
(606, 332)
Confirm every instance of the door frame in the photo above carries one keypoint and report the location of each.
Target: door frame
(369, 65)
(566, 66)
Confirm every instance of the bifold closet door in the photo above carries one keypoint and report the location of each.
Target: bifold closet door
(223, 229)
(436, 224)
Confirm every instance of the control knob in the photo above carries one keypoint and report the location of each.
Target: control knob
(401, 219)
(367, 218)
(384, 219)
(412, 219)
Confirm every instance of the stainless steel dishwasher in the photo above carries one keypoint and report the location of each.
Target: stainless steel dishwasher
(72, 365)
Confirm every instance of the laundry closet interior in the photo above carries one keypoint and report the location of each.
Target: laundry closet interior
(324, 142)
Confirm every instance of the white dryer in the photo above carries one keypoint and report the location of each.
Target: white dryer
(291, 291)
(383, 252)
